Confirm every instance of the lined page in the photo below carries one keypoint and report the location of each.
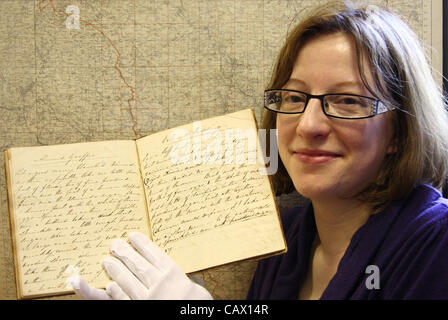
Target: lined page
(69, 201)
(207, 200)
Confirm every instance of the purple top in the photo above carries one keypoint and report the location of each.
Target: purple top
(408, 242)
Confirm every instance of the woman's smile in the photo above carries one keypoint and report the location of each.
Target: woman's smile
(315, 156)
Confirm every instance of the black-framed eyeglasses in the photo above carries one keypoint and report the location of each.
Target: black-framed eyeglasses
(343, 106)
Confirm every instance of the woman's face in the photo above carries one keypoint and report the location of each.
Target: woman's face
(329, 157)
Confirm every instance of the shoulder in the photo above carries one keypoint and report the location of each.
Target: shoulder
(425, 209)
(420, 247)
(422, 220)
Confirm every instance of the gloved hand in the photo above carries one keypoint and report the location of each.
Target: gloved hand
(146, 274)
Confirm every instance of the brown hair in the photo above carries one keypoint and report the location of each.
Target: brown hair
(402, 78)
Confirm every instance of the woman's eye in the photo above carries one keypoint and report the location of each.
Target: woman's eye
(293, 99)
(348, 101)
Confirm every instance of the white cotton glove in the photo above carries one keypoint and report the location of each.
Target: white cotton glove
(146, 274)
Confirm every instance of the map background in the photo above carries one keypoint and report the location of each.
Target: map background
(136, 67)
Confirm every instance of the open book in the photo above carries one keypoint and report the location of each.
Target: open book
(187, 188)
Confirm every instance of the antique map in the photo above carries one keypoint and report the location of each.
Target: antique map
(88, 70)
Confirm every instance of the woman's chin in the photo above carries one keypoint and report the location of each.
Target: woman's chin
(314, 192)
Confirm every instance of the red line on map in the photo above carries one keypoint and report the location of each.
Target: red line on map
(44, 3)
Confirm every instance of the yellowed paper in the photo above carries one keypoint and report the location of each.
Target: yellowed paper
(207, 200)
(68, 202)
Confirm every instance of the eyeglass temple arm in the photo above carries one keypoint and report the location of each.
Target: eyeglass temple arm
(381, 108)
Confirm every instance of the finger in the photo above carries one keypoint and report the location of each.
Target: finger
(114, 290)
(138, 265)
(87, 292)
(125, 278)
(151, 252)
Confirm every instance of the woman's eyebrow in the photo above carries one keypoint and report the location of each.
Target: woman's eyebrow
(346, 84)
(293, 80)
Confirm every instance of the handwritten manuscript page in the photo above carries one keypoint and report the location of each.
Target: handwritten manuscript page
(208, 205)
(68, 202)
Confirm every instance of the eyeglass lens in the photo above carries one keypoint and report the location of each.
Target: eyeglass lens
(340, 105)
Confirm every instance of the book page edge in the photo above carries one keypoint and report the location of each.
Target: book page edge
(12, 231)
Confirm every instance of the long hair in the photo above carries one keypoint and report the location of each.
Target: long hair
(402, 78)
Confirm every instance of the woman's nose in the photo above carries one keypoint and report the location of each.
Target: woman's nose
(313, 123)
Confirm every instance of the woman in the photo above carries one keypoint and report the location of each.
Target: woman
(362, 133)
(374, 229)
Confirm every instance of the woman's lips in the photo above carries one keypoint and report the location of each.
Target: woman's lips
(308, 156)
